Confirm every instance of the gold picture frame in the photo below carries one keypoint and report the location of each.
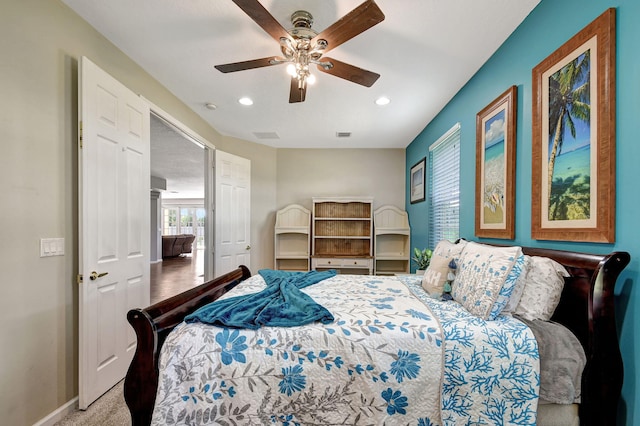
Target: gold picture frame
(496, 167)
(573, 152)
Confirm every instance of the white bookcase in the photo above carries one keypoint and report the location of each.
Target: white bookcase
(342, 234)
(392, 235)
(292, 238)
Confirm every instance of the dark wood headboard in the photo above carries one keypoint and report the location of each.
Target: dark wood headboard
(586, 308)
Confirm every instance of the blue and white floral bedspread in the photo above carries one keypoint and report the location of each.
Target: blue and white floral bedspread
(380, 362)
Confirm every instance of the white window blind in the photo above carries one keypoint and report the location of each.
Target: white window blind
(444, 187)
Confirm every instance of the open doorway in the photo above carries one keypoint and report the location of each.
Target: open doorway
(178, 215)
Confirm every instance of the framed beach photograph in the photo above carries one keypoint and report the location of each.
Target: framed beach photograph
(496, 167)
(417, 178)
(573, 152)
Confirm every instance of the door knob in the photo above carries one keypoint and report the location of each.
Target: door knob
(94, 275)
(248, 248)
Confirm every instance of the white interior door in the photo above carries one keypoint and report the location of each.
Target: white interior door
(232, 212)
(114, 226)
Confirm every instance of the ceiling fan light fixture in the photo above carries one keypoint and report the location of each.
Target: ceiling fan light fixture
(291, 70)
(302, 46)
(302, 21)
(382, 101)
(311, 79)
(246, 101)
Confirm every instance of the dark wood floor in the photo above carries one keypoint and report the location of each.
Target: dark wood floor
(176, 274)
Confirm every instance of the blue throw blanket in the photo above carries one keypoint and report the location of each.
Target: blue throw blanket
(281, 304)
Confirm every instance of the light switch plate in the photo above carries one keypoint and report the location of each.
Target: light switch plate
(51, 247)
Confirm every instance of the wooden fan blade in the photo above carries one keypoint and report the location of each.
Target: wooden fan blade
(262, 17)
(349, 72)
(350, 25)
(247, 65)
(297, 94)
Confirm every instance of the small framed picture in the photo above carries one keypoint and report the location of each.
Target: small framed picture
(417, 177)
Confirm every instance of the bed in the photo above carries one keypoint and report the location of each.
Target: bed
(586, 308)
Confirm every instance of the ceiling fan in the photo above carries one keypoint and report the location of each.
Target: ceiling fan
(301, 46)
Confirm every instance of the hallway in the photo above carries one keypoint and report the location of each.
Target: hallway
(176, 274)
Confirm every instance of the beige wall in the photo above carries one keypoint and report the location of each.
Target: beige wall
(306, 173)
(41, 42)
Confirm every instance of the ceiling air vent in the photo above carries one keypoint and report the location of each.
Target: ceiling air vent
(343, 134)
(266, 135)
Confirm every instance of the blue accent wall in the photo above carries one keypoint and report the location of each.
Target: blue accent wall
(548, 26)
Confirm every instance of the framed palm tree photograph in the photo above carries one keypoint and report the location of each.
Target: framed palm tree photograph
(496, 167)
(573, 147)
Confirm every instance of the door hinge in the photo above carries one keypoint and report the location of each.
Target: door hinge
(80, 135)
(79, 279)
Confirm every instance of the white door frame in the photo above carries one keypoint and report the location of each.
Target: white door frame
(210, 215)
(192, 136)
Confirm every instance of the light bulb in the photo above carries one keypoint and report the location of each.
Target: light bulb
(291, 70)
(311, 79)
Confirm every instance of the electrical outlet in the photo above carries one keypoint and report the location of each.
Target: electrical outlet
(51, 247)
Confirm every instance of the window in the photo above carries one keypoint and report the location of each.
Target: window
(170, 221)
(184, 220)
(444, 187)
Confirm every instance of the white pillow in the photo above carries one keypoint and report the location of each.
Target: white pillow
(435, 276)
(516, 294)
(481, 274)
(542, 290)
(450, 250)
(436, 273)
(507, 289)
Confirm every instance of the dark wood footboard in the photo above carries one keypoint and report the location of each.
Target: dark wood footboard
(152, 325)
(587, 309)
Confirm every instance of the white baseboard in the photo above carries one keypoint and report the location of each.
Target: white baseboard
(58, 414)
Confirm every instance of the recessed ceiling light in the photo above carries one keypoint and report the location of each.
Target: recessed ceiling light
(383, 100)
(210, 106)
(245, 101)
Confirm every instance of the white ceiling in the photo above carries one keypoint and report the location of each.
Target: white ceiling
(177, 160)
(424, 50)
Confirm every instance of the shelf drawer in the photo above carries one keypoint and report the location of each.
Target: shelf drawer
(356, 263)
(346, 262)
(328, 263)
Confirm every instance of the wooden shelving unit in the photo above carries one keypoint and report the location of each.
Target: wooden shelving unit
(392, 235)
(343, 234)
(292, 238)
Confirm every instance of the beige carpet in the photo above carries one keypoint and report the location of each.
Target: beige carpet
(109, 410)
